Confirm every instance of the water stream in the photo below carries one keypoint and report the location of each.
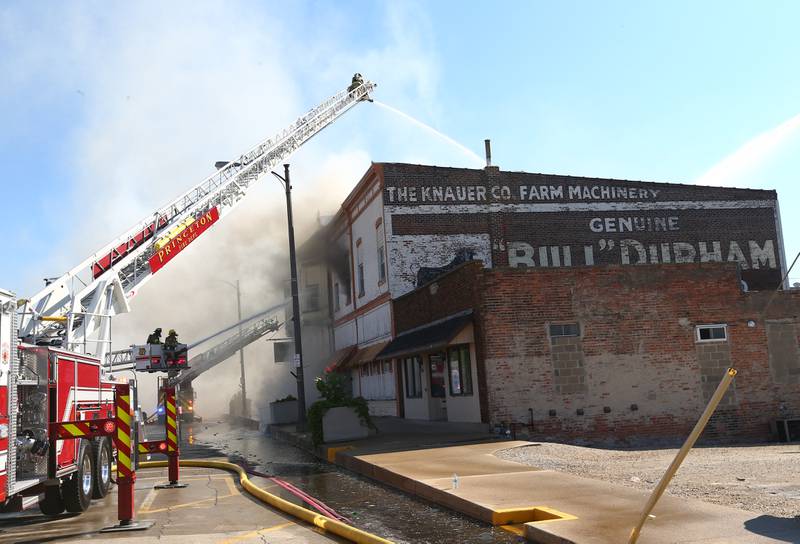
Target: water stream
(461, 147)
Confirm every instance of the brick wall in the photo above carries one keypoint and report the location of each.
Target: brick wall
(643, 375)
(455, 292)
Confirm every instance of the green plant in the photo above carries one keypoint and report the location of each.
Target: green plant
(287, 398)
(333, 389)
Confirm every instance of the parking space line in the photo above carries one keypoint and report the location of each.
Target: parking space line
(186, 504)
(148, 500)
(259, 532)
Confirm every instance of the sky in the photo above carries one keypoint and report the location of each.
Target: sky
(110, 109)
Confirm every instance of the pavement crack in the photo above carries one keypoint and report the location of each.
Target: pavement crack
(216, 493)
(166, 523)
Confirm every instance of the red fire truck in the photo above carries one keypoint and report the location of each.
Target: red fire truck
(39, 386)
(63, 418)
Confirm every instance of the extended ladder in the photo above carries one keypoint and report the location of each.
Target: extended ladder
(75, 309)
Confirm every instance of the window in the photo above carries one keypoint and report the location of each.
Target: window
(381, 253)
(311, 298)
(346, 280)
(711, 333)
(360, 268)
(459, 371)
(360, 279)
(337, 303)
(413, 375)
(376, 381)
(564, 329)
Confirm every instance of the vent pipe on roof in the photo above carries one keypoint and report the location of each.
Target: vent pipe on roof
(488, 145)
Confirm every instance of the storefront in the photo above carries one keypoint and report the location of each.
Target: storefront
(438, 371)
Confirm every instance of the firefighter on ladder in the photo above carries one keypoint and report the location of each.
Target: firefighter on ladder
(155, 337)
(171, 342)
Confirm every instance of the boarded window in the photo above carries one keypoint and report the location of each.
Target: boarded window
(784, 355)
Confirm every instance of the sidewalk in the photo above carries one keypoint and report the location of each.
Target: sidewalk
(545, 506)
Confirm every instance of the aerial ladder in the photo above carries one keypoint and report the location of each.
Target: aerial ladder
(54, 346)
(181, 376)
(210, 358)
(74, 311)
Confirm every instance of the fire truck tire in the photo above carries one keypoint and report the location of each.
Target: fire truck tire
(101, 453)
(52, 504)
(77, 490)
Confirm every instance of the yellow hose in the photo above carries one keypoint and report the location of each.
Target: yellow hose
(331, 525)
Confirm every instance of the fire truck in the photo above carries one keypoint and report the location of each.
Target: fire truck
(64, 418)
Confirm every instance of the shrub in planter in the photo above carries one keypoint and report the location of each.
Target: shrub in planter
(333, 388)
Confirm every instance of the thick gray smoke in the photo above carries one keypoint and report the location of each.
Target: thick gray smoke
(153, 102)
(191, 295)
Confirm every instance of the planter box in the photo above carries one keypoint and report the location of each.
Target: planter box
(342, 423)
(283, 413)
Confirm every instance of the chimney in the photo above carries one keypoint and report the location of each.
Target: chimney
(489, 169)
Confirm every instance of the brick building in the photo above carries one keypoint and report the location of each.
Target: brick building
(607, 353)
(405, 225)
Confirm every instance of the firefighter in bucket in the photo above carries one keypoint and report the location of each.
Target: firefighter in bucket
(175, 353)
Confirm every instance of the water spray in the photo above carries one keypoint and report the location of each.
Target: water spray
(461, 147)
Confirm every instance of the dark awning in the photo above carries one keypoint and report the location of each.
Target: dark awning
(426, 338)
(339, 359)
(365, 355)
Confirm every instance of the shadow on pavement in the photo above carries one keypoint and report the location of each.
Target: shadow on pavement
(781, 529)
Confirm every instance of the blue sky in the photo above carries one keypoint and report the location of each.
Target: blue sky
(110, 109)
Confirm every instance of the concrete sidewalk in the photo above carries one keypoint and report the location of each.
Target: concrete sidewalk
(548, 506)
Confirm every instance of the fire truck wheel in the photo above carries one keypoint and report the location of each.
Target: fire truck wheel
(101, 453)
(77, 490)
(52, 504)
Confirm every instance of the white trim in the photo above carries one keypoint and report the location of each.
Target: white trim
(699, 340)
(779, 230)
(578, 206)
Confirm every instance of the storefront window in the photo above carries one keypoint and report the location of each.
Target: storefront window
(413, 375)
(459, 371)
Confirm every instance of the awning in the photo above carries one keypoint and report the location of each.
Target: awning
(366, 355)
(339, 359)
(426, 338)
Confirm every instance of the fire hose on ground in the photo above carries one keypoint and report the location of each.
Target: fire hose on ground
(325, 523)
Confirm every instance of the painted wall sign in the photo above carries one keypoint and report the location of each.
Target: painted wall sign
(557, 221)
(183, 239)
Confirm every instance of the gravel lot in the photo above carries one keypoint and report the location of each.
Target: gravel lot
(762, 479)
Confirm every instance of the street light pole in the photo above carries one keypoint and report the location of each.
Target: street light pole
(298, 343)
(245, 411)
(242, 382)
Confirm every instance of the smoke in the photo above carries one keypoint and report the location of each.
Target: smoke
(157, 94)
(750, 156)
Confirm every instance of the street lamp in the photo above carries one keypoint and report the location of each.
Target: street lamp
(245, 411)
(298, 344)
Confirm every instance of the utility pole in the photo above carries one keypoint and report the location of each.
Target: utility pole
(245, 411)
(298, 343)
